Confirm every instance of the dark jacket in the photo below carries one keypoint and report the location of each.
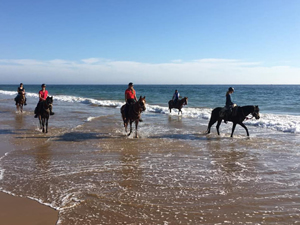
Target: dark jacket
(229, 103)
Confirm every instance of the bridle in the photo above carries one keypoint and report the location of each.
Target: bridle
(254, 114)
(141, 107)
(47, 104)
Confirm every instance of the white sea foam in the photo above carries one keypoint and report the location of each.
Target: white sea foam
(90, 118)
(8, 92)
(1, 173)
(283, 123)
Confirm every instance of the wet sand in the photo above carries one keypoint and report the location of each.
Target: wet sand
(17, 210)
(93, 174)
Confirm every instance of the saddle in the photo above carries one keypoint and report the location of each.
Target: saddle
(228, 111)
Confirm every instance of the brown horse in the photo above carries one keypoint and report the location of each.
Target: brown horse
(134, 114)
(179, 104)
(20, 100)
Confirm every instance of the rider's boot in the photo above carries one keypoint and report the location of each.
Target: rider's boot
(226, 118)
(51, 113)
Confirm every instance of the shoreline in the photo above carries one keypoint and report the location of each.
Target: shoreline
(16, 210)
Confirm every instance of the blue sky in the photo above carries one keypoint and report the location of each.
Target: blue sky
(154, 41)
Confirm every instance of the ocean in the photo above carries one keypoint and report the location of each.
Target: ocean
(92, 173)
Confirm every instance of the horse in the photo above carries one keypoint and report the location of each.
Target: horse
(179, 104)
(134, 114)
(239, 116)
(20, 100)
(44, 113)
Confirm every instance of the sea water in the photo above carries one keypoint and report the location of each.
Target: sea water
(88, 169)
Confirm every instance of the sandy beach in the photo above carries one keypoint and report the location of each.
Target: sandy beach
(18, 210)
(22, 211)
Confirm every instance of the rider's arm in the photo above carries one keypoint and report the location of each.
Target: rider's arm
(40, 97)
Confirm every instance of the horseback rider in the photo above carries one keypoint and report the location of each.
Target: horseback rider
(229, 105)
(175, 97)
(21, 91)
(43, 94)
(130, 98)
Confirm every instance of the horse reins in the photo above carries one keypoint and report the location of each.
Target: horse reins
(247, 118)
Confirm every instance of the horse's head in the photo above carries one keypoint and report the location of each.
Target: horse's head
(255, 112)
(49, 100)
(142, 103)
(185, 100)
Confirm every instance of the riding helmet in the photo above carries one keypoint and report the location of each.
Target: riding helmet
(43, 85)
(231, 89)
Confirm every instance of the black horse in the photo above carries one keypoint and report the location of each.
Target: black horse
(134, 114)
(44, 113)
(179, 104)
(240, 115)
(20, 101)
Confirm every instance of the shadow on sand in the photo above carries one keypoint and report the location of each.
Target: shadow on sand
(195, 136)
(80, 136)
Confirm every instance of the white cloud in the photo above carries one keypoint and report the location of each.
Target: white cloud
(103, 71)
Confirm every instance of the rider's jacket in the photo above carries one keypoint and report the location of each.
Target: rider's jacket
(44, 95)
(130, 93)
(229, 103)
(175, 96)
(20, 90)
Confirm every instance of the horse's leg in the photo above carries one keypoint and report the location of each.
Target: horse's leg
(136, 127)
(43, 123)
(46, 124)
(126, 125)
(233, 128)
(40, 121)
(21, 108)
(211, 122)
(218, 125)
(243, 125)
(130, 128)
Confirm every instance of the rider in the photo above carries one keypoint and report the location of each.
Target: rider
(130, 98)
(229, 105)
(175, 97)
(43, 94)
(21, 91)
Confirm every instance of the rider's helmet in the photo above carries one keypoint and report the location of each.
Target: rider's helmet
(130, 84)
(231, 89)
(43, 85)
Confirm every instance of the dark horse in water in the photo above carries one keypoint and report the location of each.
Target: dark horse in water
(178, 105)
(20, 100)
(44, 113)
(134, 114)
(239, 116)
